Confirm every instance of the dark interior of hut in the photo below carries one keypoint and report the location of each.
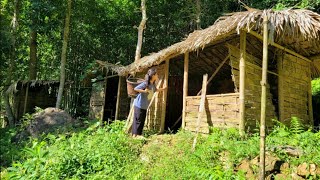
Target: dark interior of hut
(110, 99)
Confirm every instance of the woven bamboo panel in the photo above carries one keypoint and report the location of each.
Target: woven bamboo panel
(153, 118)
(295, 74)
(252, 88)
(220, 111)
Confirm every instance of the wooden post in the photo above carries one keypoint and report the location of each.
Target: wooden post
(242, 68)
(118, 99)
(201, 108)
(263, 97)
(165, 92)
(26, 99)
(280, 88)
(311, 120)
(185, 87)
(104, 98)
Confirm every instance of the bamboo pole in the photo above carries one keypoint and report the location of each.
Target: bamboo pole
(26, 99)
(280, 89)
(165, 93)
(310, 98)
(242, 68)
(185, 88)
(201, 108)
(263, 97)
(280, 47)
(118, 99)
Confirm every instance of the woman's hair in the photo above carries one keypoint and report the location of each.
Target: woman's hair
(149, 75)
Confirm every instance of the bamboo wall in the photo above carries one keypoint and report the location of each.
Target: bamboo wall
(97, 100)
(221, 110)
(252, 89)
(295, 85)
(153, 119)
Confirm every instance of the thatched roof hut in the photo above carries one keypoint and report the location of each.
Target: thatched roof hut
(294, 51)
(294, 29)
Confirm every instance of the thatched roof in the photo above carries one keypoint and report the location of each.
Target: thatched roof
(298, 30)
(31, 83)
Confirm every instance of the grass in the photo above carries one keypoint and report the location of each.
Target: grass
(106, 152)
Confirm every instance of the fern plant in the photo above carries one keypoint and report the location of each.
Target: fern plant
(296, 127)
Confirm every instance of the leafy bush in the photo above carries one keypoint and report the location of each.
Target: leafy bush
(106, 152)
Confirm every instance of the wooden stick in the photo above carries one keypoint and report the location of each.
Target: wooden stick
(128, 125)
(185, 90)
(201, 108)
(310, 98)
(26, 99)
(118, 99)
(263, 97)
(279, 46)
(242, 68)
(280, 88)
(215, 72)
(165, 92)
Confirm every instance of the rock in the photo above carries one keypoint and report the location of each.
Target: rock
(285, 168)
(303, 169)
(281, 177)
(245, 167)
(272, 163)
(48, 120)
(294, 176)
(289, 150)
(313, 169)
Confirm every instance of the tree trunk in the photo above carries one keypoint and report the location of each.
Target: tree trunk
(64, 54)
(140, 29)
(33, 55)
(14, 23)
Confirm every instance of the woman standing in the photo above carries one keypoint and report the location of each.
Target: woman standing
(146, 90)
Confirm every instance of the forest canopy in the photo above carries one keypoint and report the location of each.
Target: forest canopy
(101, 30)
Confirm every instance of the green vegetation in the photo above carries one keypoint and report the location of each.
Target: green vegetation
(107, 152)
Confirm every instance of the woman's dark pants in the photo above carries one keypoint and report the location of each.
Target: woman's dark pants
(138, 120)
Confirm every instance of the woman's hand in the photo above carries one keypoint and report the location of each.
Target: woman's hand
(161, 89)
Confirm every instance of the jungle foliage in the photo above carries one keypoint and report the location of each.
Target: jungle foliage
(106, 152)
(101, 30)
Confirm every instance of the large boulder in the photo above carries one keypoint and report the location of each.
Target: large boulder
(46, 121)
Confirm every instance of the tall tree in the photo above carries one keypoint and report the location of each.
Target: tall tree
(140, 29)
(33, 49)
(64, 54)
(14, 26)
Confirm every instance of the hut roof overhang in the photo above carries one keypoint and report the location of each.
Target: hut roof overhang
(294, 29)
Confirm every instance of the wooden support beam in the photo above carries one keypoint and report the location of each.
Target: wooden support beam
(165, 93)
(201, 108)
(280, 89)
(279, 46)
(263, 98)
(118, 99)
(185, 88)
(242, 69)
(310, 110)
(26, 99)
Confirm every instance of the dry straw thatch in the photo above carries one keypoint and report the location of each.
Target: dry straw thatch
(295, 29)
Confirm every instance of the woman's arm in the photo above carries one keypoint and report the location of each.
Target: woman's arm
(142, 88)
